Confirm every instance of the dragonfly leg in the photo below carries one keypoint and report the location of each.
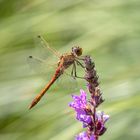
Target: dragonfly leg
(75, 72)
(72, 71)
(80, 77)
(81, 58)
(79, 63)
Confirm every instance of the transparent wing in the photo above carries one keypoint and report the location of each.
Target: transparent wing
(67, 82)
(42, 60)
(44, 51)
(46, 71)
(41, 67)
(45, 45)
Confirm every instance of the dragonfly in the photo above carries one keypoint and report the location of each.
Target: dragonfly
(65, 61)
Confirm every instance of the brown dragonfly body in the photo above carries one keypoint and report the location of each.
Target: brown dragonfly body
(65, 61)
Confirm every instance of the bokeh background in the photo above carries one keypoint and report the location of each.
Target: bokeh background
(108, 30)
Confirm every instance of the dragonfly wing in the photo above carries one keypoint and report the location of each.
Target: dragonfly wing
(66, 81)
(44, 51)
(42, 60)
(69, 82)
(41, 67)
(45, 45)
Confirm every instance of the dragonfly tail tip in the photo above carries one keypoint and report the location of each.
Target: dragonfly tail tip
(31, 106)
(34, 102)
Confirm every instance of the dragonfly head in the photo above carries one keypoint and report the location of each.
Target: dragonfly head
(77, 51)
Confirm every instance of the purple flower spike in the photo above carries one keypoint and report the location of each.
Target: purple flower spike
(101, 116)
(86, 110)
(79, 101)
(84, 118)
(80, 104)
(84, 136)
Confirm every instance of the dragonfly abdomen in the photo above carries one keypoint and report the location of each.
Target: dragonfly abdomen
(57, 74)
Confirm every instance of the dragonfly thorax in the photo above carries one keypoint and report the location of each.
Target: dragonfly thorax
(77, 51)
(66, 60)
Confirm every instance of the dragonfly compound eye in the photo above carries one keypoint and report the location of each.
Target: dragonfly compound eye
(77, 51)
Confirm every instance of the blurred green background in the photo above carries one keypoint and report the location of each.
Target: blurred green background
(108, 30)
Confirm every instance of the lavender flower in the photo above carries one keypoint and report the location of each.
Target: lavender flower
(79, 101)
(85, 109)
(100, 116)
(84, 136)
(80, 105)
(85, 114)
(100, 119)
